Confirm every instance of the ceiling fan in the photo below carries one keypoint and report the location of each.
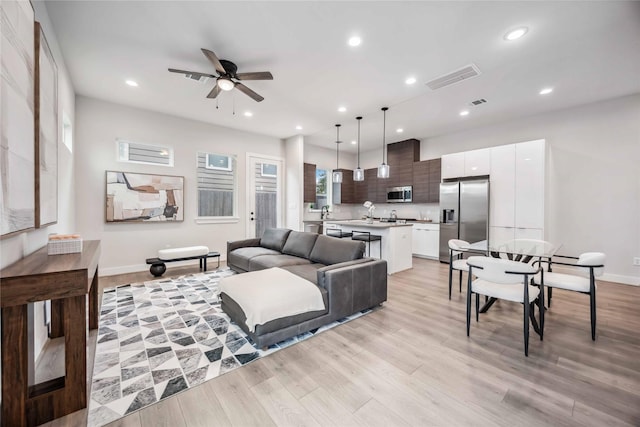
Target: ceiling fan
(227, 74)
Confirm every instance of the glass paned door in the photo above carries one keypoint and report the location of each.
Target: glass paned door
(264, 201)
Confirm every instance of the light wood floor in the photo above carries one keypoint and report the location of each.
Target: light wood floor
(411, 363)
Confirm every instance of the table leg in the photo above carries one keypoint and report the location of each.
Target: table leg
(93, 302)
(15, 359)
(487, 305)
(57, 316)
(75, 355)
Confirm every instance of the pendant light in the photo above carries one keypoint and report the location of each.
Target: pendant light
(337, 175)
(383, 169)
(358, 173)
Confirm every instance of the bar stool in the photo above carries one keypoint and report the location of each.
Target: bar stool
(366, 236)
(337, 232)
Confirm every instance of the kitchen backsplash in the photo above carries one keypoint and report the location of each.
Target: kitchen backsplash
(383, 210)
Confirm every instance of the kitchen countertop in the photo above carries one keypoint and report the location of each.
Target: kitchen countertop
(409, 221)
(363, 223)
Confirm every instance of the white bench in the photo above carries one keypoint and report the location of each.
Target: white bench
(200, 253)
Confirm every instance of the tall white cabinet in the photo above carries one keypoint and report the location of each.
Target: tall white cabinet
(516, 204)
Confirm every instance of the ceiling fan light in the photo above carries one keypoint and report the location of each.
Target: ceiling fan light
(337, 176)
(383, 171)
(225, 84)
(358, 174)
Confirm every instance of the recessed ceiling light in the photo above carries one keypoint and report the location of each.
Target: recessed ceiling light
(410, 80)
(399, 130)
(355, 41)
(464, 113)
(516, 34)
(248, 114)
(342, 109)
(131, 83)
(298, 127)
(546, 91)
(354, 142)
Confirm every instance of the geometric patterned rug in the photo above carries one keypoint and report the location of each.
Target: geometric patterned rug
(158, 338)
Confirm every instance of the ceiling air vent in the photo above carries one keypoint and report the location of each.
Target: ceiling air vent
(197, 77)
(463, 73)
(477, 102)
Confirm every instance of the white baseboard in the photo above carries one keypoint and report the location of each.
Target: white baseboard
(617, 278)
(136, 268)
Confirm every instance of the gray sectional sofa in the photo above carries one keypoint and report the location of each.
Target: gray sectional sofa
(348, 282)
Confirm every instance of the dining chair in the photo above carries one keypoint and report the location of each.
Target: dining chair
(584, 284)
(508, 280)
(456, 260)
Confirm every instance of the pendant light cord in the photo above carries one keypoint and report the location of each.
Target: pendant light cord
(337, 146)
(384, 133)
(358, 119)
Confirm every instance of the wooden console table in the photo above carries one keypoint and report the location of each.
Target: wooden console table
(66, 280)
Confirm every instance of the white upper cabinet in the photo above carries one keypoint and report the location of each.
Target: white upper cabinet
(516, 201)
(502, 202)
(477, 162)
(453, 165)
(529, 184)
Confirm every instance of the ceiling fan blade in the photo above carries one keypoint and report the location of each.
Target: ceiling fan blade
(192, 73)
(260, 75)
(214, 60)
(214, 92)
(242, 88)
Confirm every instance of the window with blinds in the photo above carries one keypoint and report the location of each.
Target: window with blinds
(136, 152)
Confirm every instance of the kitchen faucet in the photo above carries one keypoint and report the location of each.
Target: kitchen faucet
(324, 213)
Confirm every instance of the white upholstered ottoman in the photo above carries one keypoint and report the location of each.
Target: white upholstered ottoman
(270, 294)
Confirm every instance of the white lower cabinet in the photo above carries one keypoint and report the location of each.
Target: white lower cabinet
(426, 240)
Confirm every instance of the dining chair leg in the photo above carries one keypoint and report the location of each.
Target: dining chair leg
(450, 279)
(592, 301)
(541, 308)
(469, 308)
(460, 280)
(549, 298)
(526, 327)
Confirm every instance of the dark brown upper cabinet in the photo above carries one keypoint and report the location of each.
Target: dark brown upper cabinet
(400, 157)
(426, 181)
(344, 192)
(309, 193)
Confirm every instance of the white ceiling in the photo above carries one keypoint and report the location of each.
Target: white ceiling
(587, 51)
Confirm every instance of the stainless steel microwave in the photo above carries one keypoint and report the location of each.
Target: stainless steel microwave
(400, 194)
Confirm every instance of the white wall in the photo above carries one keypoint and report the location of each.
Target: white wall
(294, 182)
(126, 246)
(592, 200)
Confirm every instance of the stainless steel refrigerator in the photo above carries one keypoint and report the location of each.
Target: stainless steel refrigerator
(464, 212)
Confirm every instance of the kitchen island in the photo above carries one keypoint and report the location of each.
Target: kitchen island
(396, 240)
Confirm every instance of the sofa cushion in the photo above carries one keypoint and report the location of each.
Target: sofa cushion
(299, 244)
(240, 257)
(274, 238)
(329, 250)
(280, 260)
(306, 271)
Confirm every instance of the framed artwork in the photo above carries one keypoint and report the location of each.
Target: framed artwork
(46, 132)
(138, 197)
(17, 159)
